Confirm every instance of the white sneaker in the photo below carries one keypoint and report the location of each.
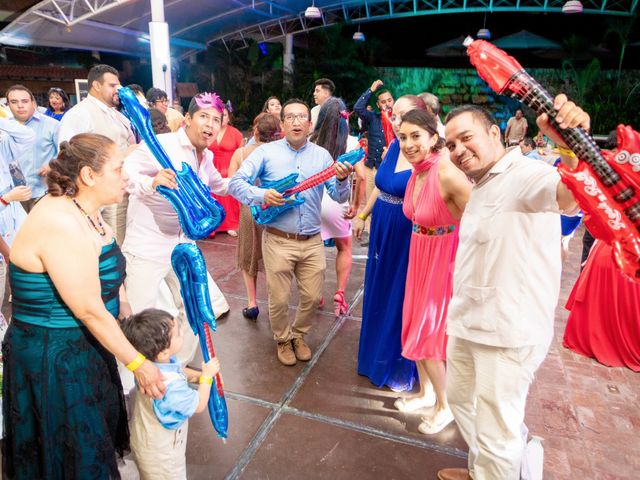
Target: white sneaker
(436, 423)
(408, 405)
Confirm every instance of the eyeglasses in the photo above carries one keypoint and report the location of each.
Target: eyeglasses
(301, 117)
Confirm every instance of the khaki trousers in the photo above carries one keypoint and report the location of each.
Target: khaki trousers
(116, 216)
(369, 186)
(160, 453)
(487, 391)
(283, 259)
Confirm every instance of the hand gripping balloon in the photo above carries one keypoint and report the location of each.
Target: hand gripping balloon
(288, 187)
(191, 270)
(611, 201)
(199, 214)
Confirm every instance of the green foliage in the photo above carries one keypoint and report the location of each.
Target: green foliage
(247, 77)
(608, 101)
(333, 54)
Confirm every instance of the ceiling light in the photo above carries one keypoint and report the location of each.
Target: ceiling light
(358, 36)
(484, 34)
(572, 6)
(313, 11)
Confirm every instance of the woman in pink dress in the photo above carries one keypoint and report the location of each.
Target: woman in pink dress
(229, 139)
(436, 195)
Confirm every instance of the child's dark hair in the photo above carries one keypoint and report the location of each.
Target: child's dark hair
(149, 331)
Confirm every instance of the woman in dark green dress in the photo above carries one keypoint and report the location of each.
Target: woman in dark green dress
(63, 406)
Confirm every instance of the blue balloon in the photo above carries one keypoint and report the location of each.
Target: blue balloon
(191, 270)
(198, 213)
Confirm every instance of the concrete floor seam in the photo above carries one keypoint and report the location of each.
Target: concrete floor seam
(264, 429)
(414, 442)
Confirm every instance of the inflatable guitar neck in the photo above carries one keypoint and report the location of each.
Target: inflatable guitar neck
(288, 186)
(607, 194)
(198, 213)
(188, 263)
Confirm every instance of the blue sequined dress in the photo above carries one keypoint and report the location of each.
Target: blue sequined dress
(379, 356)
(63, 405)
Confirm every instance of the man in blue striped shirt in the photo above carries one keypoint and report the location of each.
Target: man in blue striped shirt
(291, 244)
(35, 161)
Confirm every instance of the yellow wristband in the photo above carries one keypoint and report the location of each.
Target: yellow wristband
(205, 379)
(362, 217)
(566, 152)
(139, 360)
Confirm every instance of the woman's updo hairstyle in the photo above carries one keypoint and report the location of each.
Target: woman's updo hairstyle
(427, 121)
(267, 127)
(82, 150)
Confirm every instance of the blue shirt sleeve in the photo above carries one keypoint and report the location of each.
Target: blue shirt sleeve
(178, 404)
(14, 140)
(241, 184)
(338, 190)
(361, 106)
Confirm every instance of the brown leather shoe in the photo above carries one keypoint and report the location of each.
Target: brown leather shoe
(285, 353)
(301, 349)
(454, 474)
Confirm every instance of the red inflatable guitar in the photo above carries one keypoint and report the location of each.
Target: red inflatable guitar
(606, 185)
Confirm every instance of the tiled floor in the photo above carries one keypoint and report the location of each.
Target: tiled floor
(322, 420)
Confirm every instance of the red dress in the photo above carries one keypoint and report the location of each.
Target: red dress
(604, 322)
(429, 284)
(222, 153)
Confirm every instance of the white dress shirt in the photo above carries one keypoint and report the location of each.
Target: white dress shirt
(153, 229)
(93, 116)
(507, 270)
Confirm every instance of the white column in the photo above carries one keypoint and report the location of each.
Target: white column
(287, 60)
(160, 52)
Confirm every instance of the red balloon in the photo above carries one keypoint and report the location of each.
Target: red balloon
(604, 217)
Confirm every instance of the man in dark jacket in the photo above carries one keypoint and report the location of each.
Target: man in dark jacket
(373, 120)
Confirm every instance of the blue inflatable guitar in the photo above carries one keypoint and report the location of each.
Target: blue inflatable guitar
(198, 213)
(289, 187)
(188, 263)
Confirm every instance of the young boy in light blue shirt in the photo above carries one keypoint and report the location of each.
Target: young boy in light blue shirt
(159, 427)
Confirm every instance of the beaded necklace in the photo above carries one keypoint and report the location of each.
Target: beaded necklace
(101, 233)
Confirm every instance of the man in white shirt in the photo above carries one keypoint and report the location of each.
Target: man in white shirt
(323, 90)
(153, 229)
(516, 129)
(97, 114)
(506, 285)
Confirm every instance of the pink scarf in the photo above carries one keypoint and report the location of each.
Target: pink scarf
(426, 164)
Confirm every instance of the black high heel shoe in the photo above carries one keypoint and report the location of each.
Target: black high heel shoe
(251, 312)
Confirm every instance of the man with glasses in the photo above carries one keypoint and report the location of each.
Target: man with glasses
(158, 99)
(291, 244)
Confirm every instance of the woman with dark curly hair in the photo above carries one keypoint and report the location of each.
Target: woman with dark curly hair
(58, 103)
(266, 128)
(63, 406)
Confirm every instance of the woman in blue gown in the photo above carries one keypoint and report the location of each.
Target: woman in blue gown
(379, 355)
(63, 406)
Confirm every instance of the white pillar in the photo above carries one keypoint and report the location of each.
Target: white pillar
(287, 60)
(160, 52)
